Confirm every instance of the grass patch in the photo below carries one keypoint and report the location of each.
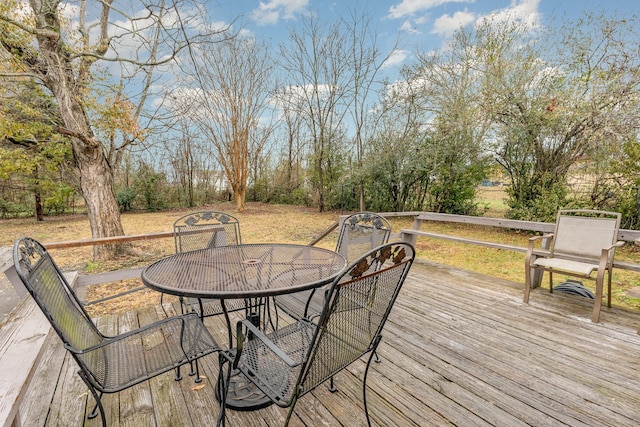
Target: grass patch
(281, 223)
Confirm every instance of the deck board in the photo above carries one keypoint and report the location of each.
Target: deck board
(460, 348)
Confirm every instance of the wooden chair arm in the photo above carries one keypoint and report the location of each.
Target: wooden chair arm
(617, 244)
(531, 247)
(604, 256)
(533, 239)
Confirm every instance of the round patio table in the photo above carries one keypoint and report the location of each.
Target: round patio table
(247, 271)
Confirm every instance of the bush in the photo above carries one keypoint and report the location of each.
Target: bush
(125, 198)
(539, 204)
(59, 200)
(6, 208)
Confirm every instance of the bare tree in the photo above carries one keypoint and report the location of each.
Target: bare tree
(290, 177)
(366, 61)
(229, 102)
(62, 59)
(317, 66)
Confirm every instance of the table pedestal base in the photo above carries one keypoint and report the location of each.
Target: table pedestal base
(243, 395)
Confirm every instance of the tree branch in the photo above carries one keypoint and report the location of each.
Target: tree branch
(73, 134)
(21, 75)
(31, 30)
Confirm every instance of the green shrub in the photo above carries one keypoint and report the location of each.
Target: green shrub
(125, 199)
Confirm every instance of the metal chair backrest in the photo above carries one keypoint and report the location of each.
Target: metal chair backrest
(360, 233)
(207, 229)
(583, 233)
(51, 291)
(355, 311)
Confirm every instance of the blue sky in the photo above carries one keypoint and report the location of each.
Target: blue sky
(424, 24)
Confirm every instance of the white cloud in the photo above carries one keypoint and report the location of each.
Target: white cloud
(412, 7)
(397, 57)
(409, 27)
(446, 25)
(415, 13)
(271, 11)
(523, 11)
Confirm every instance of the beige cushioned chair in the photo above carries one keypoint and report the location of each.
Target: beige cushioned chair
(584, 241)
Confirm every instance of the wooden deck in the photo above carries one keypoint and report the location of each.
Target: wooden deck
(459, 349)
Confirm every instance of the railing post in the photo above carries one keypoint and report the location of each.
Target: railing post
(412, 238)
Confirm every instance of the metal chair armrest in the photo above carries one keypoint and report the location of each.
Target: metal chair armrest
(258, 334)
(111, 339)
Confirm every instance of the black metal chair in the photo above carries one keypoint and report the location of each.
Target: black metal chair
(108, 364)
(291, 361)
(201, 230)
(206, 229)
(359, 233)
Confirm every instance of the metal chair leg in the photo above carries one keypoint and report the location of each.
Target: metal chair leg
(197, 371)
(332, 386)
(97, 397)
(222, 386)
(364, 381)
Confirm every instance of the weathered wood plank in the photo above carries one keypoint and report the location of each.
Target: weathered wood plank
(69, 404)
(136, 405)
(106, 277)
(410, 235)
(108, 325)
(108, 240)
(199, 398)
(21, 338)
(164, 388)
(544, 227)
(460, 348)
(36, 403)
(463, 240)
(492, 222)
(508, 351)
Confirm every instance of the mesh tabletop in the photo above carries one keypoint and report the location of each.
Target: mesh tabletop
(244, 271)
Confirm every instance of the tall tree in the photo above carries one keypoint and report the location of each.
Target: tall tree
(554, 107)
(62, 57)
(231, 84)
(366, 60)
(30, 150)
(317, 62)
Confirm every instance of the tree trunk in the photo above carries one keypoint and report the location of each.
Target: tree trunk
(39, 210)
(239, 196)
(96, 178)
(96, 183)
(37, 195)
(68, 83)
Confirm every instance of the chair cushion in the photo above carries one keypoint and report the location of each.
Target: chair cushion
(584, 268)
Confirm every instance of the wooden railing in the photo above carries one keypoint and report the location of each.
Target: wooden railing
(421, 218)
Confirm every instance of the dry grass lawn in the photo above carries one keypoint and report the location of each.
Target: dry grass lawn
(294, 224)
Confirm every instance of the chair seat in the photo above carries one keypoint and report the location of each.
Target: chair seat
(269, 371)
(567, 265)
(155, 349)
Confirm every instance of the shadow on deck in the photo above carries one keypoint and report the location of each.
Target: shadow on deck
(460, 348)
